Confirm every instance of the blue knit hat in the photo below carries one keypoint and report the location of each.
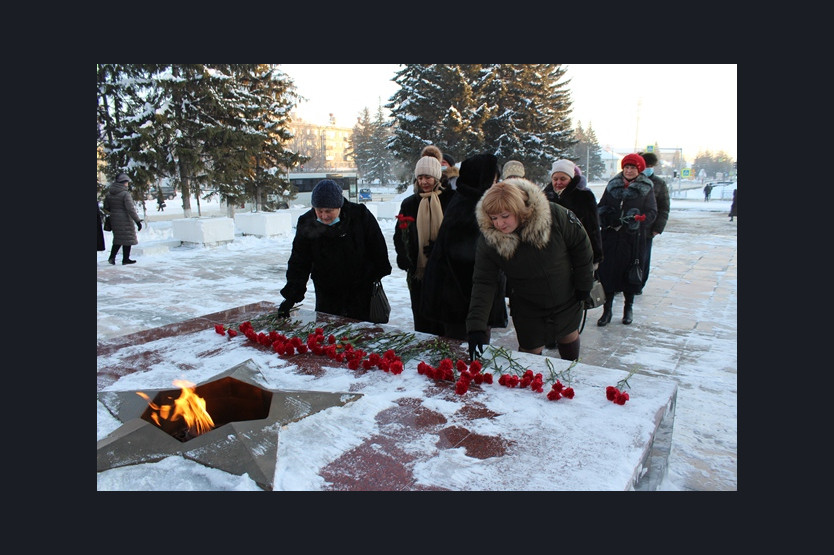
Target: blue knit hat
(327, 194)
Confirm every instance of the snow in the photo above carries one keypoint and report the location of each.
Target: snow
(192, 281)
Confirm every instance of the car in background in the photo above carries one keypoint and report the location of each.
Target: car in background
(364, 195)
(167, 191)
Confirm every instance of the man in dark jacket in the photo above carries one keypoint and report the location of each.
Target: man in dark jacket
(661, 195)
(340, 246)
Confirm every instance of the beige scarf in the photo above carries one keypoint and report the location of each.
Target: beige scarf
(429, 218)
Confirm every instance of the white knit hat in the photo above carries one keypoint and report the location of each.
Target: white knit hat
(428, 165)
(565, 166)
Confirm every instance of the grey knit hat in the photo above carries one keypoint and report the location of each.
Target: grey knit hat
(122, 178)
(428, 165)
(513, 168)
(327, 194)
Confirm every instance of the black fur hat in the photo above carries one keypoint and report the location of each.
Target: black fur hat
(479, 171)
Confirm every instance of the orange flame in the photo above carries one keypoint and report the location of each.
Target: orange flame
(189, 406)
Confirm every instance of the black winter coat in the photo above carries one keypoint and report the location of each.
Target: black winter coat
(623, 237)
(661, 195)
(123, 217)
(343, 261)
(546, 260)
(583, 203)
(447, 283)
(100, 244)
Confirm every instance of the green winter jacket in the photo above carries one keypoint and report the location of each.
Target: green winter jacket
(546, 261)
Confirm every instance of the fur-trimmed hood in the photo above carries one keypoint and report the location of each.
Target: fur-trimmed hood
(536, 230)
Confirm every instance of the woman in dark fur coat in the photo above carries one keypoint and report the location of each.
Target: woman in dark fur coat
(447, 283)
(627, 211)
(545, 253)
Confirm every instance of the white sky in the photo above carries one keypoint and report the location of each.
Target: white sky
(168, 286)
(688, 106)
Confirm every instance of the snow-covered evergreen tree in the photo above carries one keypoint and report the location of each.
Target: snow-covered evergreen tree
(587, 153)
(221, 125)
(515, 111)
(434, 106)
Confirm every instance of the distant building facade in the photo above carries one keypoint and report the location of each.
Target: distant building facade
(327, 146)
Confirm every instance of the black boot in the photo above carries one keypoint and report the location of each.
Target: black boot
(113, 251)
(628, 314)
(606, 310)
(569, 351)
(126, 255)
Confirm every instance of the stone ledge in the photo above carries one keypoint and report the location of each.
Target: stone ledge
(264, 224)
(204, 231)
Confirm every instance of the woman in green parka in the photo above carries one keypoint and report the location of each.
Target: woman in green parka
(545, 253)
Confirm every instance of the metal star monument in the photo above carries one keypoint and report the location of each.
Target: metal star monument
(245, 439)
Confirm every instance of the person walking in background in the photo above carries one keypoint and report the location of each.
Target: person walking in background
(340, 246)
(119, 204)
(544, 251)
(513, 168)
(627, 211)
(419, 220)
(734, 205)
(707, 191)
(447, 282)
(160, 201)
(565, 190)
(661, 196)
(450, 172)
(100, 238)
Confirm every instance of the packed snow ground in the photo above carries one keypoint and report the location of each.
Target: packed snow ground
(125, 307)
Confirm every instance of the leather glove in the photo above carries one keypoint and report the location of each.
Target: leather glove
(477, 339)
(284, 309)
(138, 226)
(583, 297)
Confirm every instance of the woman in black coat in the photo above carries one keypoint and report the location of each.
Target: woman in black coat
(419, 220)
(447, 283)
(627, 211)
(340, 246)
(565, 189)
(100, 245)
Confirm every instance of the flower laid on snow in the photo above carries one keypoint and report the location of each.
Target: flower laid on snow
(618, 394)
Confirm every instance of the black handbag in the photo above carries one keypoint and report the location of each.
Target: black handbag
(380, 307)
(635, 273)
(107, 225)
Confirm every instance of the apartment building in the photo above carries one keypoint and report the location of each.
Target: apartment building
(327, 146)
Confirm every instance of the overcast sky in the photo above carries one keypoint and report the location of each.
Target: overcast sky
(688, 106)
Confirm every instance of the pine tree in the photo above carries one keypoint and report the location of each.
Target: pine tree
(359, 143)
(527, 115)
(433, 106)
(380, 159)
(587, 153)
(222, 125)
(515, 111)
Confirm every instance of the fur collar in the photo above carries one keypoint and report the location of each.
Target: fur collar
(535, 231)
